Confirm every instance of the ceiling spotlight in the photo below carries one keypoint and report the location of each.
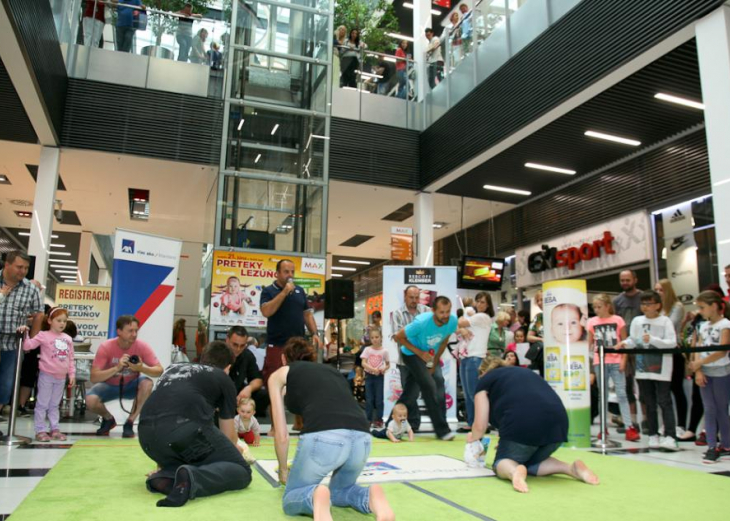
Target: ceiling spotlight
(348, 261)
(555, 169)
(680, 101)
(507, 190)
(615, 139)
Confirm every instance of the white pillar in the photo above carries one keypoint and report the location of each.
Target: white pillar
(423, 229)
(713, 50)
(421, 21)
(87, 238)
(42, 221)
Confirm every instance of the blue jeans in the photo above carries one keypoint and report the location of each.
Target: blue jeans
(7, 375)
(619, 382)
(374, 396)
(527, 455)
(469, 374)
(341, 451)
(108, 392)
(402, 84)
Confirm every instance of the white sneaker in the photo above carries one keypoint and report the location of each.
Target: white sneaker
(680, 432)
(448, 437)
(668, 443)
(653, 442)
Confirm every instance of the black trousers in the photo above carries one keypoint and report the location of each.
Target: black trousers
(213, 462)
(410, 400)
(433, 392)
(261, 398)
(654, 393)
(678, 389)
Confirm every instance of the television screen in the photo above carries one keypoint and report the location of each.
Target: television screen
(481, 273)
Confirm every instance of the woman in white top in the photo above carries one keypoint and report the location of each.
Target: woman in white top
(673, 308)
(477, 324)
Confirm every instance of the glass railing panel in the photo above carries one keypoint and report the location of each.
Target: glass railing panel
(279, 29)
(527, 20)
(462, 80)
(271, 215)
(493, 50)
(270, 142)
(274, 79)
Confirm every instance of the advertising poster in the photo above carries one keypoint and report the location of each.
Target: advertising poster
(88, 307)
(567, 369)
(143, 285)
(680, 251)
(431, 282)
(239, 278)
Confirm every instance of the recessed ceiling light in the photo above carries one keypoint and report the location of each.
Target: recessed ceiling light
(74, 272)
(257, 158)
(240, 124)
(61, 253)
(400, 37)
(438, 225)
(615, 139)
(343, 268)
(348, 261)
(54, 245)
(27, 234)
(555, 169)
(680, 101)
(63, 266)
(4, 179)
(64, 260)
(273, 130)
(336, 274)
(507, 190)
(26, 215)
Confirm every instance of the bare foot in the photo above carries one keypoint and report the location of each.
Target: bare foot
(519, 479)
(580, 472)
(321, 504)
(379, 504)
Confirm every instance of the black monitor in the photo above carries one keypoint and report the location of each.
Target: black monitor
(483, 273)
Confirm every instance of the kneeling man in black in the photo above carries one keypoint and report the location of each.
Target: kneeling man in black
(176, 429)
(532, 425)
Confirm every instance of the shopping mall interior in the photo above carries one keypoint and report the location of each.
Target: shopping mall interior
(160, 158)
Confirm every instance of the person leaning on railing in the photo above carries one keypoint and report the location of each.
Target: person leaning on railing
(93, 22)
(434, 58)
(350, 58)
(401, 68)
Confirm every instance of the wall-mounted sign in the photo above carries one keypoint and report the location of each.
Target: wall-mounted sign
(401, 243)
(680, 251)
(619, 242)
(420, 276)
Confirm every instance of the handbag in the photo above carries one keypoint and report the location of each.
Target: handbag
(178, 357)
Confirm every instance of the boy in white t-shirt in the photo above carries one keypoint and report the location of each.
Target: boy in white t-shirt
(654, 370)
(397, 427)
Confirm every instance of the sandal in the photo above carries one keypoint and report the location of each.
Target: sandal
(58, 435)
(42, 436)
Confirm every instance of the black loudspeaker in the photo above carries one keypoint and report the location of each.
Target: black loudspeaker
(339, 299)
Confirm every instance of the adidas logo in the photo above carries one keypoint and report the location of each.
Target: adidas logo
(677, 216)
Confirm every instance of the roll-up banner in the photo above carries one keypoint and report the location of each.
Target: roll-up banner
(88, 307)
(432, 282)
(143, 285)
(567, 369)
(680, 251)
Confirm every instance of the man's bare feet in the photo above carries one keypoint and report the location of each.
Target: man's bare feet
(379, 504)
(321, 504)
(581, 472)
(519, 479)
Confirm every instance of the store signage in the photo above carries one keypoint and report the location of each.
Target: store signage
(550, 258)
(680, 251)
(420, 276)
(401, 243)
(609, 245)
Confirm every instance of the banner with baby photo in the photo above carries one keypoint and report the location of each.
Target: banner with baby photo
(567, 364)
(430, 283)
(239, 277)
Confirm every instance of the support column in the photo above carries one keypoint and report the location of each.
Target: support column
(423, 229)
(42, 221)
(713, 50)
(421, 21)
(87, 238)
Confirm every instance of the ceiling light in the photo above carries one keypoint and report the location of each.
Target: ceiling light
(400, 37)
(438, 225)
(26, 215)
(538, 166)
(27, 234)
(61, 253)
(64, 266)
(507, 190)
(680, 101)
(616, 139)
(54, 245)
(348, 261)
(64, 260)
(257, 158)
(273, 130)
(409, 5)
(336, 275)
(343, 268)
(240, 124)
(74, 272)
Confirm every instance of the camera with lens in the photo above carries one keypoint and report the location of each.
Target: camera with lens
(134, 359)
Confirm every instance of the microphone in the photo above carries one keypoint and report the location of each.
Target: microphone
(289, 281)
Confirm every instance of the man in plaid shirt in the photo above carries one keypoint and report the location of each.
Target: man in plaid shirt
(19, 300)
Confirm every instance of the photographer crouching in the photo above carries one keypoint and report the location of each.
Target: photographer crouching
(123, 367)
(176, 430)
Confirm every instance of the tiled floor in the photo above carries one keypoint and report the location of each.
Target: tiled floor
(22, 468)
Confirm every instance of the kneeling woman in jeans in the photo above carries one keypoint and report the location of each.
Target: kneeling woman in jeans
(532, 424)
(335, 438)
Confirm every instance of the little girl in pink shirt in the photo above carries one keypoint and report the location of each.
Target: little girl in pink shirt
(56, 362)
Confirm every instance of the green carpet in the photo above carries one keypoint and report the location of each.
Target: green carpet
(104, 479)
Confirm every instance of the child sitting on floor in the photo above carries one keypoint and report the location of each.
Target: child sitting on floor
(397, 427)
(247, 426)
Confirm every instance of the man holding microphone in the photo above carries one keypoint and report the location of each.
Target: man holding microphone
(422, 342)
(285, 306)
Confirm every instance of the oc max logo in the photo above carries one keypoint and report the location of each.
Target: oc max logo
(550, 258)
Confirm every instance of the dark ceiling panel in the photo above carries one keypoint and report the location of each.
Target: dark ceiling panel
(627, 109)
(33, 169)
(356, 240)
(15, 123)
(401, 214)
